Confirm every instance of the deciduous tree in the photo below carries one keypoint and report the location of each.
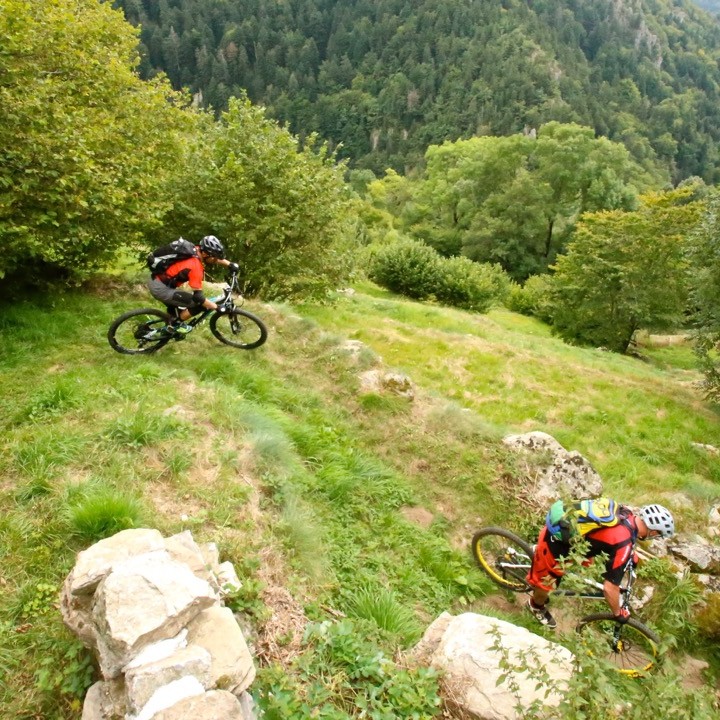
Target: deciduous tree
(85, 146)
(624, 271)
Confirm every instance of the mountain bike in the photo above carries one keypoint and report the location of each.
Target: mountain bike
(632, 647)
(146, 330)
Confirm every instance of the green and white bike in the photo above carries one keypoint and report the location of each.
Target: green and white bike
(145, 330)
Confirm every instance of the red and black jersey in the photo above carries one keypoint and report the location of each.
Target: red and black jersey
(617, 543)
(190, 271)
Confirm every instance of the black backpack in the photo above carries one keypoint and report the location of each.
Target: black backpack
(158, 261)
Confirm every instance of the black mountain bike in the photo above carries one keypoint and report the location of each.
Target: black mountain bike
(146, 330)
(631, 647)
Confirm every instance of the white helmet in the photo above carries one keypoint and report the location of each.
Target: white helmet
(656, 517)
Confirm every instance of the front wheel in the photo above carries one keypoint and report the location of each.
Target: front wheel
(239, 329)
(503, 556)
(631, 647)
(139, 331)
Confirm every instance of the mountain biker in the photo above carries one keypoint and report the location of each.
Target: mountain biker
(183, 304)
(617, 542)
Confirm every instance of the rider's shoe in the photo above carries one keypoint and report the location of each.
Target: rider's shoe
(541, 614)
(178, 328)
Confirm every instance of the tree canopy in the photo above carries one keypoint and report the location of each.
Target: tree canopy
(624, 271)
(512, 200)
(384, 79)
(85, 145)
(94, 161)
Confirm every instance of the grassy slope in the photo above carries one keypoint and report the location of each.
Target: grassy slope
(302, 481)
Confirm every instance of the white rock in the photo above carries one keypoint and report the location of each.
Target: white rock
(158, 651)
(169, 596)
(227, 578)
(169, 695)
(93, 564)
(463, 648)
(216, 630)
(213, 705)
(143, 681)
(183, 548)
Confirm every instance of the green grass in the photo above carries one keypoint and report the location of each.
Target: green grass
(298, 477)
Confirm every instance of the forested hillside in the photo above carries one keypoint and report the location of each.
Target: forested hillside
(388, 78)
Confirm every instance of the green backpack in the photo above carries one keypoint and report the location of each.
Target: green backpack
(582, 517)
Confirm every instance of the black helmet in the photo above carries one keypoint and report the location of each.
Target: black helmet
(212, 246)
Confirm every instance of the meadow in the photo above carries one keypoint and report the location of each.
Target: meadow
(347, 513)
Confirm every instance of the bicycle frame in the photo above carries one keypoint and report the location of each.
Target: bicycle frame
(595, 589)
(225, 299)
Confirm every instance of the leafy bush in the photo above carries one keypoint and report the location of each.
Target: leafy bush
(414, 269)
(407, 267)
(470, 285)
(533, 298)
(346, 675)
(85, 145)
(284, 214)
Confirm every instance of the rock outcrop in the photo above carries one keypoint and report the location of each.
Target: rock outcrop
(471, 651)
(567, 474)
(168, 649)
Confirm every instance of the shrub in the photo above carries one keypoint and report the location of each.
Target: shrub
(414, 269)
(284, 213)
(407, 267)
(470, 285)
(532, 298)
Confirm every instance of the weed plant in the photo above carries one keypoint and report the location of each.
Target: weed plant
(383, 608)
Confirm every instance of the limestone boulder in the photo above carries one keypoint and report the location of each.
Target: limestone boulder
(378, 381)
(105, 700)
(95, 563)
(169, 695)
(216, 630)
(469, 649)
(183, 548)
(570, 476)
(699, 554)
(168, 593)
(567, 475)
(143, 680)
(535, 441)
(213, 705)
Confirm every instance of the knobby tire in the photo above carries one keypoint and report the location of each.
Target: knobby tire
(496, 550)
(239, 329)
(126, 332)
(639, 644)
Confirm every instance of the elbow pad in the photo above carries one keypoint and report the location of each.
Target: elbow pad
(198, 297)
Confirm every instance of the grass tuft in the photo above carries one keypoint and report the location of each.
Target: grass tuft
(102, 512)
(382, 607)
(142, 428)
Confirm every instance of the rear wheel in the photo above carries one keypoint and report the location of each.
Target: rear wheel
(139, 331)
(503, 556)
(239, 329)
(631, 647)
